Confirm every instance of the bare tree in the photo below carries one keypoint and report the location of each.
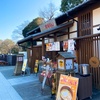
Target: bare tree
(17, 33)
(49, 12)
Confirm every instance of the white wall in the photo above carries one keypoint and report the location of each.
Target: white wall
(73, 35)
(96, 20)
(61, 38)
(74, 27)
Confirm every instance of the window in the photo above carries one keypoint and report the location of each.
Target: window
(85, 24)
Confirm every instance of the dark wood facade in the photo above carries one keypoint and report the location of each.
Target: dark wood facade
(87, 48)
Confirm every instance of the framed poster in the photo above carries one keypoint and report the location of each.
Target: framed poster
(65, 45)
(54, 46)
(61, 64)
(67, 89)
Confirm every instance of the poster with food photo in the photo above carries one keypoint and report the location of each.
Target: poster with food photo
(61, 64)
(65, 45)
(67, 89)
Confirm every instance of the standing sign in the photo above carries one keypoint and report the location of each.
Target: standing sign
(67, 89)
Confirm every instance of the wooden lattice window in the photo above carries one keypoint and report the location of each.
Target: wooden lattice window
(85, 22)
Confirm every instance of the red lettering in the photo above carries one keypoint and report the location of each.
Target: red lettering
(49, 25)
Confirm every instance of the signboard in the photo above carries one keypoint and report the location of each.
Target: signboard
(67, 89)
(54, 46)
(48, 25)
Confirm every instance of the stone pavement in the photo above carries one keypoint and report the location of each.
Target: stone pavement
(26, 87)
(21, 87)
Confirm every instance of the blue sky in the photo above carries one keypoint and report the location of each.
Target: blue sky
(14, 12)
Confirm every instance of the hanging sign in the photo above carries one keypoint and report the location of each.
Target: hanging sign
(71, 44)
(67, 89)
(94, 61)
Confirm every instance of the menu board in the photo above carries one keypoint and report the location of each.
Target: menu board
(54, 46)
(67, 89)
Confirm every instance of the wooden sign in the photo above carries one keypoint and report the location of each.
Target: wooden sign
(67, 89)
(94, 62)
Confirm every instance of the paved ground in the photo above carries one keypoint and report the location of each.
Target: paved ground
(26, 87)
(20, 87)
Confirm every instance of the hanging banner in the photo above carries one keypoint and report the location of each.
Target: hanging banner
(67, 89)
(71, 44)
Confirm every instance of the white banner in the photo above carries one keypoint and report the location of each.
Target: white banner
(24, 65)
(71, 44)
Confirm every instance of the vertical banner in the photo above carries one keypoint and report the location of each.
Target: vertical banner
(67, 89)
(71, 44)
(24, 65)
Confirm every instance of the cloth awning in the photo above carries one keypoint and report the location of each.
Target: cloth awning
(45, 33)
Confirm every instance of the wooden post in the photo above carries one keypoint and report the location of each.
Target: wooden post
(43, 47)
(54, 52)
(32, 56)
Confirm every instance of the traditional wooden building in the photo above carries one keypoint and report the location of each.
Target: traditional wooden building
(81, 23)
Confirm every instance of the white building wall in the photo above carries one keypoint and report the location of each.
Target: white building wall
(73, 35)
(96, 20)
(61, 38)
(73, 29)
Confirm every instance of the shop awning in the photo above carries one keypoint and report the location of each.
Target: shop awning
(46, 33)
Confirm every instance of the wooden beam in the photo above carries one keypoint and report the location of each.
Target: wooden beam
(43, 47)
